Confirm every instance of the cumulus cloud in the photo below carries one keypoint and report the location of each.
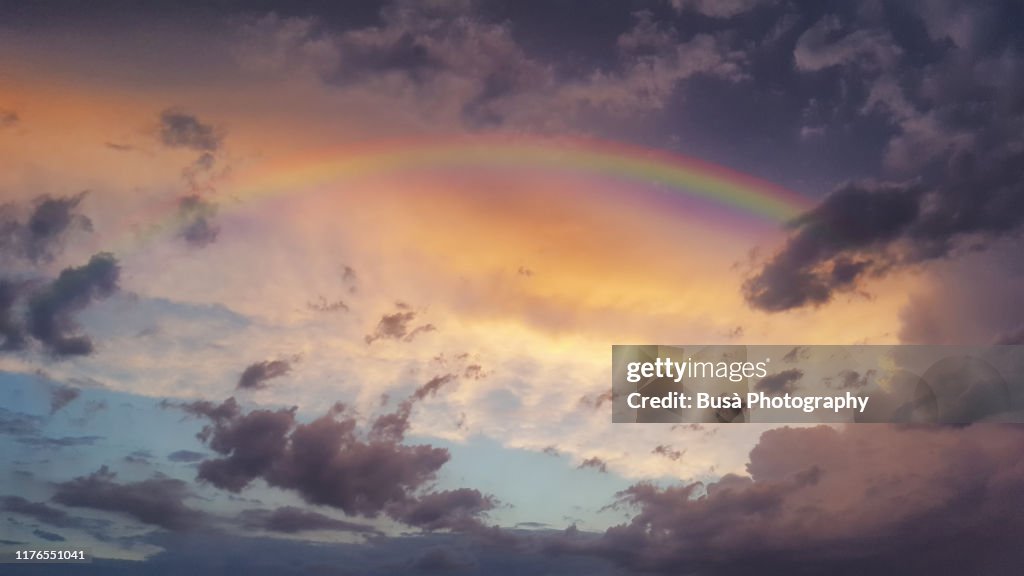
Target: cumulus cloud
(256, 376)
(158, 501)
(329, 462)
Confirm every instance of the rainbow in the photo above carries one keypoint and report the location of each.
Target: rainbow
(679, 174)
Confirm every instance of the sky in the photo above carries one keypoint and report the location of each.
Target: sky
(320, 287)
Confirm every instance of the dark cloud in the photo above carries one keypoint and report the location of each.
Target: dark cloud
(197, 221)
(61, 396)
(291, 520)
(952, 163)
(594, 463)
(39, 511)
(329, 462)
(255, 376)
(782, 382)
(42, 234)
(951, 493)
(396, 326)
(181, 130)
(185, 456)
(11, 329)
(458, 510)
(158, 501)
(51, 310)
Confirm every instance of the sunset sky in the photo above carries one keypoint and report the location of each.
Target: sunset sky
(331, 287)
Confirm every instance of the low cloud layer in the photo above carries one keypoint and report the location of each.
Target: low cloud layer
(159, 501)
(949, 493)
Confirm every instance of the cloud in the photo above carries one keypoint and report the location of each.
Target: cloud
(951, 491)
(668, 452)
(48, 536)
(11, 329)
(196, 221)
(457, 510)
(61, 396)
(37, 510)
(871, 228)
(782, 382)
(292, 520)
(62, 442)
(255, 376)
(396, 326)
(329, 462)
(158, 501)
(42, 235)
(595, 463)
(182, 130)
(186, 456)
(322, 305)
(51, 310)
(824, 45)
(18, 424)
